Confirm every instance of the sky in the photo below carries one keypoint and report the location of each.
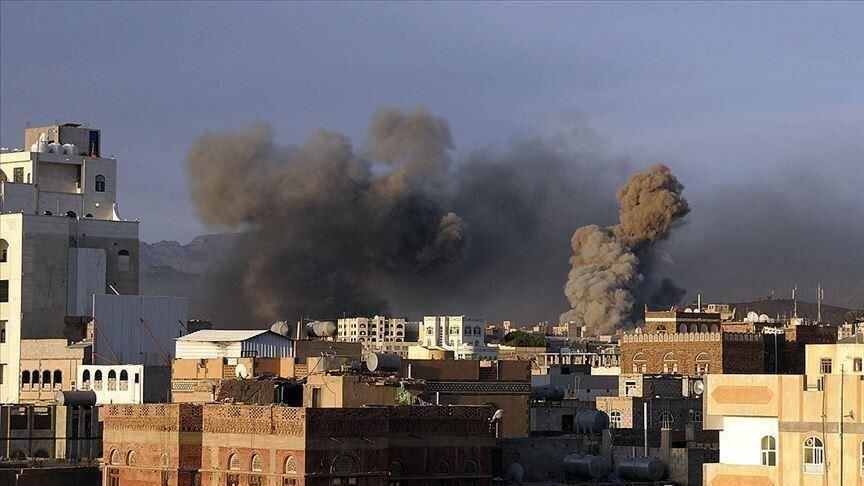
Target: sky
(733, 96)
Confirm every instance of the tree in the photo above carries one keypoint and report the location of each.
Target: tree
(522, 339)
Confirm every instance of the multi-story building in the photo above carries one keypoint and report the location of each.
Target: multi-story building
(692, 353)
(450, 332)
(790, 429)
(218, 444)
(61, 240)
(376, 329)
(686, 321)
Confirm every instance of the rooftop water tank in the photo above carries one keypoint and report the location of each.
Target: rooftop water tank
(383, 362)
(281, 327)
(55, 148)
(321, 329)
(587, 466)
(69, 149)
(591, 421)
(69, 398)
(641, 469)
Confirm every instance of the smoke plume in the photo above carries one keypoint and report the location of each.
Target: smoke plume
(608, 264)
(319, 220)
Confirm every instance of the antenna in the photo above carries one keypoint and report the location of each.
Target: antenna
(820, 294)
(795, 301)
(698, 302)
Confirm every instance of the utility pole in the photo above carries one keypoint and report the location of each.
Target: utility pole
(795, 301)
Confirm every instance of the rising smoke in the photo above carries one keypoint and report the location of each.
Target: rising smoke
(319, 221)
(608, 265)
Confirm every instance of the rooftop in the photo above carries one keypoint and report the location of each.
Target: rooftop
(211, 335)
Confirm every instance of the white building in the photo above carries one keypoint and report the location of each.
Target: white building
(61, 240)
(376, 329)
(450, 332)
(113, 384)
(209, 344)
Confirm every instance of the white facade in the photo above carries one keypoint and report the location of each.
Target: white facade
(61, 239)
(113, 384)
(452, 332)
(232, 344)
(741, 439)
(376, 329)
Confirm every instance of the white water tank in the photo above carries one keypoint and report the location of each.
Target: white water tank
(55, 148)
(69, 149)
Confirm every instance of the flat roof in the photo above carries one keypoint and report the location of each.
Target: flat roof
(213, 335)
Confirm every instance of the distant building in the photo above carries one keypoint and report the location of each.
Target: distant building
(49, 366)
(450, 332)
(692, 354)
(790, 429)
(377, 329)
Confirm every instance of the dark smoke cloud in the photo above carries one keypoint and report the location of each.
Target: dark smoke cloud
(318, 222)
(606, 267)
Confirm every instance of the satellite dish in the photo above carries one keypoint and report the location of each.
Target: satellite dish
(698, 387)
(241, 372)
(688, 310)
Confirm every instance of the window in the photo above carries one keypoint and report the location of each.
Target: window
(639, 364)
(857, 365)
(112, 380)
(4, 251)
(629, 388)
(666, 420)
(290, 465)
(123, 260)
(4, 291)
(615, 419)
(46, 378)
(71, 214)
(825, 366)
(814, 456)
(131, 458)
(471, 467)
(234, 462)
(58, 378)
(100, 183)
(25, 379)
(35, 375)
(18, 174)
(702, 361)
(682, 328)
(2, 332)
(115, 456)
(697, 417)
(97, 380)
(344, 463)
(769, 451)
(670, 364)
(257, 465)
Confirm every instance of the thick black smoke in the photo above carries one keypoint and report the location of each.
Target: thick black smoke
(318, 222)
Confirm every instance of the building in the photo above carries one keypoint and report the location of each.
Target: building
(218, 444)
(692, 353)
(504, 385)
(688, 320)
(48, 366)
(451, 332)
(377, 329)
(567, 361)
(69, 432)
(233, 344)
(790, 429)
(399, 348)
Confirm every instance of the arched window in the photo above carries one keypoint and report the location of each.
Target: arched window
(702, 362)
(58, 378)
(163, 460)
(639, 364)
(615, 419)
(4, 251)
(234, 462)
(256, 464)
(814, 456)
(704, 328)
(667, 420)
(112, 380)
(100, 183)
(670, 363)
(115, 456)
(697, 417)
(97, 380)
(48, 213)
(344, 463)
(124, 380)
(46, 378)
(682, 328)
(694, 327)
(85, 380)
(769, 451)
(290, 465)
(131, 458)
(443, 467)
(71, 214)
(397, 468)
(25, 379)
(88, 215)
(35, 375)
(471, 467)
(714, 328)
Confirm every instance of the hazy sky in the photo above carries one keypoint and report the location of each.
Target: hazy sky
(723, 93)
